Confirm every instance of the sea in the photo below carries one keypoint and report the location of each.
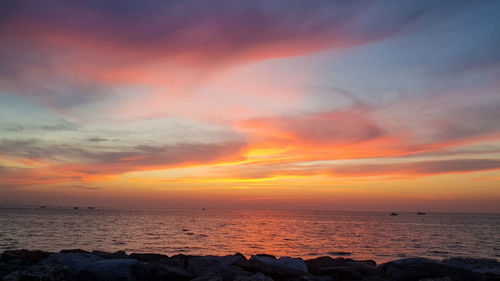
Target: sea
(307, 234)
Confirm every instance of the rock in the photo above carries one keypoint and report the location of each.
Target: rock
(489, 269)
(157, 272)
(74, 251)
(436, 279)
(214, 266)
(207, 264)
(30, 256)
(483, 266)
(12, 265)
(74, 261)
(148, 257)
(179, 260)
(415, 269)
(291, 263)
(345, 269)
(256, 277)
(207, 278)
(109, 270)
(241, 255)
(314, 265)
(274, 271)
(314, 278)
(266, 255)
(40, 272)
(107, 255)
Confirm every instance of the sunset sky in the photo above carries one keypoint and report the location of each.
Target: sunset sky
(335, 105)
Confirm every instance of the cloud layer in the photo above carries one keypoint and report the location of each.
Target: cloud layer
(239, 94)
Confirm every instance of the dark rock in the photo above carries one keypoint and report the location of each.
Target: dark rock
(207, 278)
(256, 277)
(217, 266)
(158, 272)
(291, 263)
(109, 270)
(74, 251)
(108, 256)
(12, 265)
(311, 277)
(200, 265)
(266, 255)
(180, 260)
(40, 272)
(488, 268)
(75, 261)
(345, 269)
(241, 255)
(148, 257)
(436, 279)
(276, 272)
(415, 269)
(30, 256)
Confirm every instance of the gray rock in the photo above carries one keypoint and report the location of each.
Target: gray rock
(74, 261)
(415, 269)
(158, 272)
(287, 262)
(109, 270)
(40, 272)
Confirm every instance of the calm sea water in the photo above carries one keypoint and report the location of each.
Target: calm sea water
(306, 234)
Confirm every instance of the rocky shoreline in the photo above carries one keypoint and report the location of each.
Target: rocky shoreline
(79, 265)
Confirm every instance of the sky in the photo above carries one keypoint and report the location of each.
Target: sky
(331, 105)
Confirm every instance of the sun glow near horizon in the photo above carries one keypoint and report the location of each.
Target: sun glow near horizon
(324, 105)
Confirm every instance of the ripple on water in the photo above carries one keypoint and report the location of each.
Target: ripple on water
(300, 233)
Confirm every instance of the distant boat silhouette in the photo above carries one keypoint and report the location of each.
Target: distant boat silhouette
(91, 208)
(43, 207)
(75, 208)
(203, 209)
(421, 213)
(393, 214)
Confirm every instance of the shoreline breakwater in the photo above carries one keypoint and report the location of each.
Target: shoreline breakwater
(79, 265)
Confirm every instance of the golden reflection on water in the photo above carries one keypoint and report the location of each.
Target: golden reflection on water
(304, 234)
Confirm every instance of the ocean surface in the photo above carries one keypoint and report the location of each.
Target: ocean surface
(306, 234)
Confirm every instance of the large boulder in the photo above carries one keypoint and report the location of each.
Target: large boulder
(73, 261)
(345, 269)
(109, 270)
(415, 269)
(40, 272)
(159, 272)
